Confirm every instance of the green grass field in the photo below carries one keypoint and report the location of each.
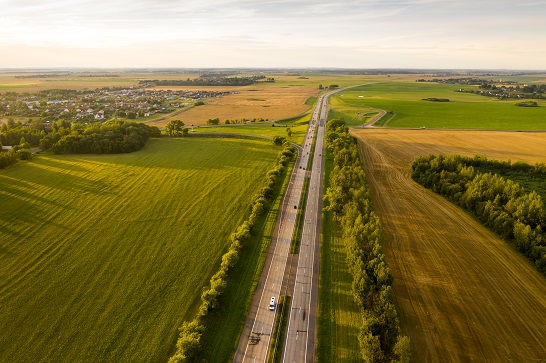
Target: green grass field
(103, 256)
(298, 130)
(463, 111)
(339, 318)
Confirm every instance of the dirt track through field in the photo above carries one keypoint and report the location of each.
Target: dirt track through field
(462, 294)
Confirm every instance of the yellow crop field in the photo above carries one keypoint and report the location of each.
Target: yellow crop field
(462, 293)
(21, 82)
(270, 102)
(284, 98)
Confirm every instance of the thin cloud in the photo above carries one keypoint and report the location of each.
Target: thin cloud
(288, 32)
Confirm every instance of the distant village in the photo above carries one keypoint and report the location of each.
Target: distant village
(100, 104)
(492, 88)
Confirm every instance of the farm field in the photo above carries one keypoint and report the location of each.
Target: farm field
(462, 294)
(102, 255)
(250, 102)
(287, 97)
(75, 80)
(404, 98)
(9, 81)
(298, 131)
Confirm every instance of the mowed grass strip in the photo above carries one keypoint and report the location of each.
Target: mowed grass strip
(339, 318)
(464, 111)
(104, 256)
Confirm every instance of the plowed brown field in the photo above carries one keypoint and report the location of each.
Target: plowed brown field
(462, 294)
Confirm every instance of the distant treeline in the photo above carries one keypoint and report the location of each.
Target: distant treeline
(466, 80)
(527, 104)
(434, 99)
(47, 75)
(207, 81)
(189, 345)
(105, 75)
(500, 204)
(350, 202)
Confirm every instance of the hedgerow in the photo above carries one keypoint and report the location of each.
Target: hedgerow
(189, 344)
(350, 202)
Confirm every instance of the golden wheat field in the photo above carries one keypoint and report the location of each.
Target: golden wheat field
(270, 102)
(462, 294)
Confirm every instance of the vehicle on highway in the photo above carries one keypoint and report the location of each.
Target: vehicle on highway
(272, 303)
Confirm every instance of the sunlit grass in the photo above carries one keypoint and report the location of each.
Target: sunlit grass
(103, 256)
(464, 110)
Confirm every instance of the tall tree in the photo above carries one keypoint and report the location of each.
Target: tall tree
(174, 128)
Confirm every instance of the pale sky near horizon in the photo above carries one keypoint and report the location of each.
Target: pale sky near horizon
(463, 34)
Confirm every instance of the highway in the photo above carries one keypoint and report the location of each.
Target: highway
(301, 332)
(254, 344)
(277, 273)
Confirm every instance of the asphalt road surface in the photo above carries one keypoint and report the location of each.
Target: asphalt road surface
(301, 332)
(254, 345)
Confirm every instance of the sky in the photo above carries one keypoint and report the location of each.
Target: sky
(425, 34)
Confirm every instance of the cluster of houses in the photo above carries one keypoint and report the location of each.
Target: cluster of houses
(102, 104)
(502, 92)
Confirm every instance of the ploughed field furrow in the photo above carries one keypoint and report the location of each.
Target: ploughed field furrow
(462, 294)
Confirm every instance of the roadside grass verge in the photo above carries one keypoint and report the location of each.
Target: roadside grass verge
(311, 101)
(298, 230)
(296, 120)
(281, 323)
(339, 319)
(225, 323)
(384, 121)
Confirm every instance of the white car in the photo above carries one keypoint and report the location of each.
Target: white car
(272, 303)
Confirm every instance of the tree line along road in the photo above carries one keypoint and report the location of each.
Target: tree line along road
(254, 342)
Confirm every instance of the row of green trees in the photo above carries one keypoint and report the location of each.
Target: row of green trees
(350, 202)
(112, 137)
(188, 346)
(500, 204)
